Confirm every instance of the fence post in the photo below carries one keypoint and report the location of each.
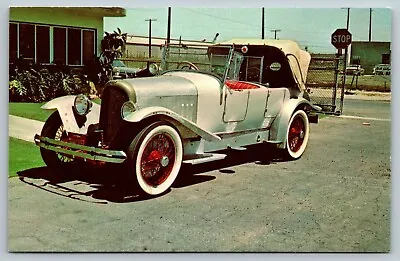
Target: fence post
(336, 80)
(344, 80)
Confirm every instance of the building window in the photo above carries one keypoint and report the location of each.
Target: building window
(60, 45)
(88, 46)
(13, 42)
(42, 44)
(51, 44)
(74, 46)
(27, 41)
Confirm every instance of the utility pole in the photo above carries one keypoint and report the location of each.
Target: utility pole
(262, 23)
(150, 20)
(169, 26)
(275, 30)
(370, 24)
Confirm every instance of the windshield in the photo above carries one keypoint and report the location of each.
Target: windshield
(225, 65)
(233, 65)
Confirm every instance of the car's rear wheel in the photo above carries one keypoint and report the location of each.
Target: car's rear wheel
(54, 129)
(155, 157)
(297, 135)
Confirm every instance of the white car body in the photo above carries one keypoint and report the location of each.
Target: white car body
(207, 112)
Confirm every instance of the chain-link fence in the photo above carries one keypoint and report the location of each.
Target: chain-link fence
(322, 82)
(325, 82)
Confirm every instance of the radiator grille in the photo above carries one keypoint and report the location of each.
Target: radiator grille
(110, 114)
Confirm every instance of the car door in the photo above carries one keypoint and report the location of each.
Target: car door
(275, 100)
(236, 103)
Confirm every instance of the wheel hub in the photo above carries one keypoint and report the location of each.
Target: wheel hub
(164, 161)
(301, 134)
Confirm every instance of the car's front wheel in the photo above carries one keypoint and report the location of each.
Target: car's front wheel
(53, 128)
(155, 157)
(297, 135)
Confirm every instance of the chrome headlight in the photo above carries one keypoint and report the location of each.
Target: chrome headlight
(153, 68)
(82, 104)
(127, 108)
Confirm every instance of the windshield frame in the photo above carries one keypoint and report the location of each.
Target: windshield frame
(209, 65)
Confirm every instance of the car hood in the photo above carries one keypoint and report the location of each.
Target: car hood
(161, 86)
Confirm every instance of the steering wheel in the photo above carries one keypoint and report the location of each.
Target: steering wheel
(253, 74)
(185, 65)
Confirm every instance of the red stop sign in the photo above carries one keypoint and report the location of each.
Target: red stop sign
(341, 38)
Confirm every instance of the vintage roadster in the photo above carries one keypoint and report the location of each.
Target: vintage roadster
(204, 100)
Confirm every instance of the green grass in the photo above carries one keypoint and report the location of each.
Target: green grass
(22, 155)
(32, 110)
(325, 79)
(28, 110)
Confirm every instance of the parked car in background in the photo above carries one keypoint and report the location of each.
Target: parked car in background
(120, 70)
(354, 69)
(382, 69)
(206, 100)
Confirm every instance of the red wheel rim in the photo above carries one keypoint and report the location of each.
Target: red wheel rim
(158, 159)
(296, 134)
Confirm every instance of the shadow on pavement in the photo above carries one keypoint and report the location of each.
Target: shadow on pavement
(109, 184)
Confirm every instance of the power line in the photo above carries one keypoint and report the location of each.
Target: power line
(221, 18)
(254, 26)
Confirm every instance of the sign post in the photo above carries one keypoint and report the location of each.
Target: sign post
(341, 39)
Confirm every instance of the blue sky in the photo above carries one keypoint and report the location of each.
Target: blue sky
(311, 27)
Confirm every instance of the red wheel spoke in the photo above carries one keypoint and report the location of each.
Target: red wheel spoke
(158, 159)
(296, 134)
(149, 166)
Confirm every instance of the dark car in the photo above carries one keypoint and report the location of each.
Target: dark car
(120, 70)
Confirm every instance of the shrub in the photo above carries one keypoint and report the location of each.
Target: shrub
(41, 84)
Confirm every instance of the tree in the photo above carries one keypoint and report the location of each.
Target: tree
(112, 47)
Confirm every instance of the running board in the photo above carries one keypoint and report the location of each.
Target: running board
(273, 141)
(202, 158)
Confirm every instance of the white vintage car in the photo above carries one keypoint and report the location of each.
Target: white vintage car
(204, 100)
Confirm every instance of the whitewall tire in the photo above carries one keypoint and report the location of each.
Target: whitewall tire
(297, 135)
(155, 156)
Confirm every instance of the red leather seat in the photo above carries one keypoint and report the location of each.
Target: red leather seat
(238, 85)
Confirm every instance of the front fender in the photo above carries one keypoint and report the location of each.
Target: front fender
(142, 114)
(64, 106)
(280, 126)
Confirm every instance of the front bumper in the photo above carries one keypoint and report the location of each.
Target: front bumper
(80, 151)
